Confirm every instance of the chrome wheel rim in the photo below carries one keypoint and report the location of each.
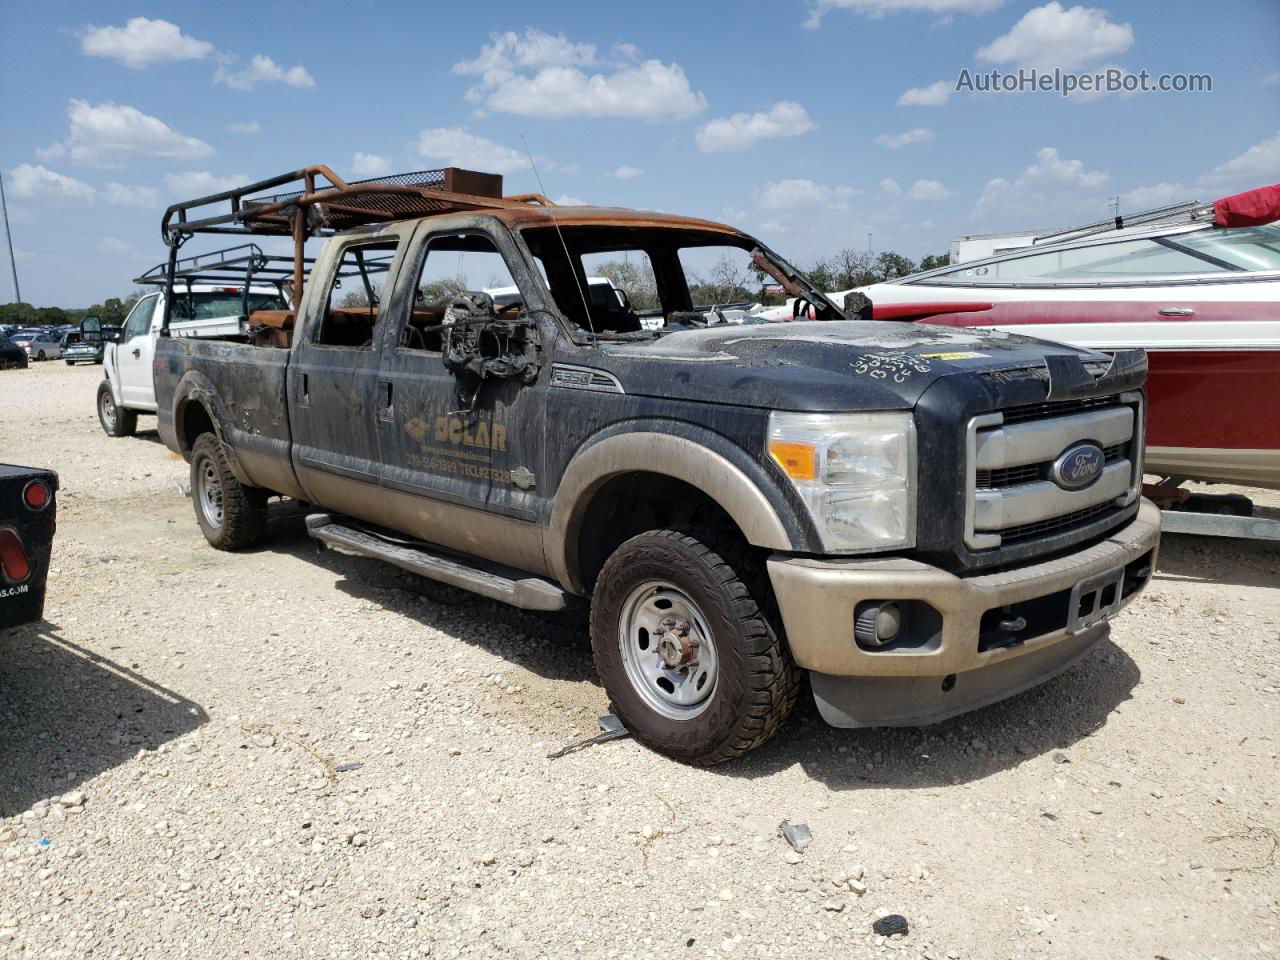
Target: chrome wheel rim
(107, 407)
(667, 650)
(209, 493)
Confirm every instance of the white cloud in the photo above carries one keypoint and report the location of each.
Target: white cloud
(934, 95)
(625, 172)
(251, 127)
(928, 190)
(879, 8)
(570, 201)
(33, 180)
(890, 188)
(895, 140)
(115, 247)
(369, 165)
(126, 196)
(1053, 36)
(455, 147)
(803, 194)
(200, 183)
(741, 131)
(1051, 183)
(104, 133)
(535, 74)
(142, 42)
(1156, 195)
(262, 69)
(1257, 166)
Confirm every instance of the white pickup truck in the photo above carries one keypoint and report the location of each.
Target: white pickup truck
(199, 310)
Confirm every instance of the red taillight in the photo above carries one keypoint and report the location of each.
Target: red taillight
(14, 565)
(37, 495)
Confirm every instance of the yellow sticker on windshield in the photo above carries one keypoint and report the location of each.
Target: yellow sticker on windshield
(953, 356)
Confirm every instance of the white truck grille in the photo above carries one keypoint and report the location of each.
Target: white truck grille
(1012, 495)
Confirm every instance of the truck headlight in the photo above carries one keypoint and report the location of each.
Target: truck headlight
(856, 472)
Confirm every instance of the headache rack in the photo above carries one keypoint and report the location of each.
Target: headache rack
(320, 204)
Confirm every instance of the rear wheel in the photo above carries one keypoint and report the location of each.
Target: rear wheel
(694, 665)
(40, 355)
(115, 421)
(232, 516)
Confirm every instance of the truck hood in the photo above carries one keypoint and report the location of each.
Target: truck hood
(819, 366)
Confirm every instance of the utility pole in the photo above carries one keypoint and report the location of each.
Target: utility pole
(13, 264)
(868, 243)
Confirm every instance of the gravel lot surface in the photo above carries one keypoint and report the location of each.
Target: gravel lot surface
(281, 753)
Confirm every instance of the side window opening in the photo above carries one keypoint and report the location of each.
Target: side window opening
(139, 321)
(355, 298)
(721, 276)
(454, 264)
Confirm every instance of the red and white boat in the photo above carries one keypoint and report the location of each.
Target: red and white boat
(1197, 286)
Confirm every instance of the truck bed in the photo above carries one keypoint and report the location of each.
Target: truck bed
(245, 389)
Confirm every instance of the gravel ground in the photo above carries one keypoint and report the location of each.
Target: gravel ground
(290, 754)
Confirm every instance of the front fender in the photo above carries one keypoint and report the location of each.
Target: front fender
(701, 458)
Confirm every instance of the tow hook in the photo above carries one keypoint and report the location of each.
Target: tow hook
(675, 646)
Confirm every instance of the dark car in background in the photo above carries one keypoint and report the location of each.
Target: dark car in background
(12, 356)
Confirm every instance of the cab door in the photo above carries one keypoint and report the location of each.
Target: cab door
(466, 475)
(133, 354)
(333, 372)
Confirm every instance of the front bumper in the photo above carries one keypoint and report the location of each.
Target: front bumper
(959, 649)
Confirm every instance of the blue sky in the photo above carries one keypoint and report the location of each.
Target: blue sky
(809, 123)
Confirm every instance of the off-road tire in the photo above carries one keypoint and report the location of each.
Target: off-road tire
(244, 508)
(757, 682)
(115, 421)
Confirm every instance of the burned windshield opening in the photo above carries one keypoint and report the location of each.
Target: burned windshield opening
(637, 282)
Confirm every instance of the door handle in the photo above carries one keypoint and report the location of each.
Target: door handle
(1177, 312)
(137, 352)
(384, 399)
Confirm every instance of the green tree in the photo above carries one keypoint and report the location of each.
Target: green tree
(932, 261)
(635, 280)
(890, 265)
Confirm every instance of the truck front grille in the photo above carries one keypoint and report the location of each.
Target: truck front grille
(1012, 497)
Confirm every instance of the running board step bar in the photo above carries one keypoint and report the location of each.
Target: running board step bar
(487, 579)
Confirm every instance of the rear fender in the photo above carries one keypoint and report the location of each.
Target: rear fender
(195, 391)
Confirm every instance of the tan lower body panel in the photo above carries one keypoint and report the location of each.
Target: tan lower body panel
(817, 599)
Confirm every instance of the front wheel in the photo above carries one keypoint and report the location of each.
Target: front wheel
(694, 665)
(232, 516)
(115, 422)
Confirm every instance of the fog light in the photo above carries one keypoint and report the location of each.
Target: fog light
(876, 623)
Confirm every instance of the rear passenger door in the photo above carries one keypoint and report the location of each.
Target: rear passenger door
(333, 372)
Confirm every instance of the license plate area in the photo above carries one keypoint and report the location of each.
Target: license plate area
(1095, 600)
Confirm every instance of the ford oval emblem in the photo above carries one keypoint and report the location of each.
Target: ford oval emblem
(1078, 466)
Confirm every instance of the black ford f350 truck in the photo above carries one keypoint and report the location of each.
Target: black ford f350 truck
(926, 520)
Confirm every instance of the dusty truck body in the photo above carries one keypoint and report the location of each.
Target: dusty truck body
(924, 520)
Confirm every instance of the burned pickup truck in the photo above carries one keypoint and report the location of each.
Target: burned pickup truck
(926, 520)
